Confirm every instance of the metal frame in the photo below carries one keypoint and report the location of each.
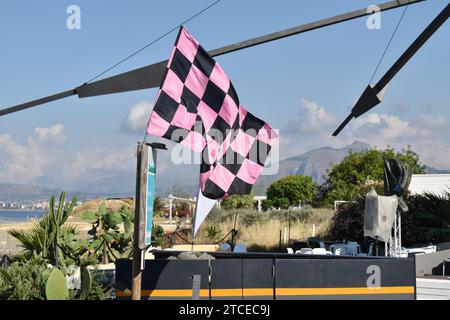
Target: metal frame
(373, 95)
(150, 76)
(394, 245)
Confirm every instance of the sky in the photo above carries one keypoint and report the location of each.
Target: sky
(303, 85)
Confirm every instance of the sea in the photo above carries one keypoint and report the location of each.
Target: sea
(18, 216)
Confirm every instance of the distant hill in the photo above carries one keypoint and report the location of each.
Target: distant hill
(314, 163)
(184, 178)
(431, 170)
(20, 192)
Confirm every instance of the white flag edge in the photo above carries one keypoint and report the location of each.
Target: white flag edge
(202, 209)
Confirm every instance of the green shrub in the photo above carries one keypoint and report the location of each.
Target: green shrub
(24, 280)
(214, 233)
(427, 221)
(238, 202)
(291, 191)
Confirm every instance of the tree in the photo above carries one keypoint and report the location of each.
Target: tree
(158, 207)
(291, 191)
(346, 180)
(428, 219)
(238, 202)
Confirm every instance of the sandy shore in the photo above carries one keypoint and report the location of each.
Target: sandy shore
(9, 245)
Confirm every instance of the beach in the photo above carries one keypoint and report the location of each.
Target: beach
(9, 245)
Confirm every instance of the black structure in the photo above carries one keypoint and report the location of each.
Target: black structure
(397, 177)
(372, 95)
(151, 76)
(266, 276)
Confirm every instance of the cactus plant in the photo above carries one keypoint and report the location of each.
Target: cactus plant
(86, 283)
(49, 232)
(106, 231)
(56, 288)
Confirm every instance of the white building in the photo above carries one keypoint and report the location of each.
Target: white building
(434, 183)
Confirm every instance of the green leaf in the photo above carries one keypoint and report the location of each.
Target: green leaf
(95, 245)
(89, 217)
(79, 244)
(128, 226)
(86, 283)
(56, 288)
(59, 217)
(102, 209)
(113, 219)
(113, 235)
(127, 235)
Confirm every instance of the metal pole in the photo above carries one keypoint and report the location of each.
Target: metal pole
(289, 241)
(415, 46)
(372, 96)
(150, 76)
(400, 231)
(170, 210)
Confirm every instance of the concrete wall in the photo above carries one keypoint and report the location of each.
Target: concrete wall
(431, 263)
(433, 289)
(436, 183)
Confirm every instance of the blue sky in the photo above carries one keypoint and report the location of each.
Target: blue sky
(303, 85)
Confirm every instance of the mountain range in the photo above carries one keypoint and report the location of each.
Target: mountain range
(184, 178)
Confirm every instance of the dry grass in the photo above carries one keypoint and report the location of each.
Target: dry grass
(112, 205)
(265, 232)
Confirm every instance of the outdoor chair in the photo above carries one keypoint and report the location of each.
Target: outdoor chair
(225, 247)
(240, 248)
(369, 252)
(443, 265)
(304, 251)
(338, 249)
(353, 248)
(315, 242)
(321, 252)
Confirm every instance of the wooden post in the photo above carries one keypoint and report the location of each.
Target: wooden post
(139, 238)
(139, 224)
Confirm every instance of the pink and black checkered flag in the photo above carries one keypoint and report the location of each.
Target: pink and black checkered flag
(198, 107)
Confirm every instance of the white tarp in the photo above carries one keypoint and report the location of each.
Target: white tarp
(379, 215)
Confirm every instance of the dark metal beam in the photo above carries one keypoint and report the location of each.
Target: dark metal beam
(372, 96)
(37, 102)
(151, 76)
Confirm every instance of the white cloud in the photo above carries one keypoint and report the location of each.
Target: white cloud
(137, 118)
(23, 163)
(99, 158)
(43, 155)
(311, 118)
(429, 121)
(383, 127)
(54, 133)
(426, 134)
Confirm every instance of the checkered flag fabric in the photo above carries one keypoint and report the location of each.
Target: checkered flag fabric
(198, 107)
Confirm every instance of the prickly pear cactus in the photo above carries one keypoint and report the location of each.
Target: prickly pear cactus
(56, 288)
(86, 283)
